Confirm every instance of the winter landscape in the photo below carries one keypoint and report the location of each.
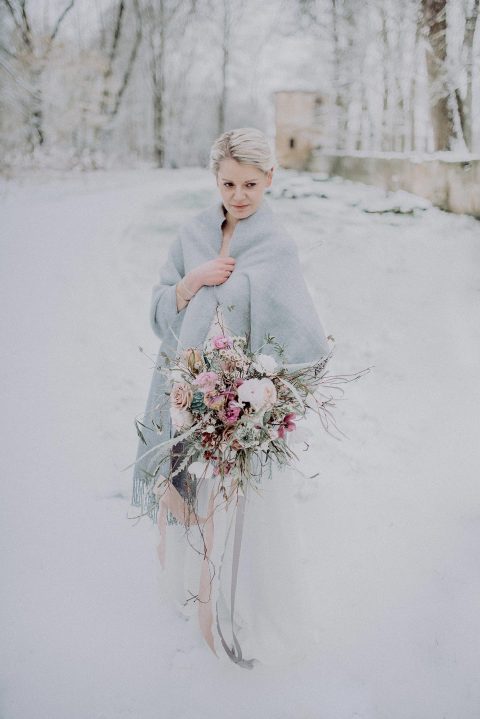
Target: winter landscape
(87, 629)
(108, 111)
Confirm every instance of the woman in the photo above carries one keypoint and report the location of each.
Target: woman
(233, 269)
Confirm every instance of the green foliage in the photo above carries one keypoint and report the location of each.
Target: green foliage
(198, 404)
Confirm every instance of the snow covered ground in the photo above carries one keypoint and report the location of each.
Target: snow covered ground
(87, 631)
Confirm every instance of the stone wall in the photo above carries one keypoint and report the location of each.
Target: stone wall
(451, 184)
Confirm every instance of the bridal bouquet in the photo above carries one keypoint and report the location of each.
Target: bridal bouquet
(230, 406)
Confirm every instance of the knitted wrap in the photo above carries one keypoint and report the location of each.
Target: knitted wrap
(265, 295)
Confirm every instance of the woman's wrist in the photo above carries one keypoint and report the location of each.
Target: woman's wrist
(182, 300)
(186, 289)
(183, 291)
(192, 283)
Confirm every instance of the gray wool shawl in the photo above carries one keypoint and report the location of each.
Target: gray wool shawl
(265, 295)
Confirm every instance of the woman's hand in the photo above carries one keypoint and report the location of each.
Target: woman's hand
(213, 272)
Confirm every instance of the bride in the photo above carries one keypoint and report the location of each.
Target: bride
(241, 566)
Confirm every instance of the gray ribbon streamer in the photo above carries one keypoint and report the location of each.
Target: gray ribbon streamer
(235, 652)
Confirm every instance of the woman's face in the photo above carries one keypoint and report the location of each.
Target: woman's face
(242, 186)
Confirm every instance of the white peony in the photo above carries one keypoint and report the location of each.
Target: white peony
(181, 418)
(260, 393)
(265, 364)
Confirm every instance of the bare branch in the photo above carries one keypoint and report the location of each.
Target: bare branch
(23, 27)
(111, 59)
(26, 24)
(131, 61)
(116, 34)
(60, 20)
(12, 13)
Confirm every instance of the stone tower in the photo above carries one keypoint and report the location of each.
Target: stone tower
(302, 124)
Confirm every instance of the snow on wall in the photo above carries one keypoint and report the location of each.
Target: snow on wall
(451, 183)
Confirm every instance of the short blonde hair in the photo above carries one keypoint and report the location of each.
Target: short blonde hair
(247, 145)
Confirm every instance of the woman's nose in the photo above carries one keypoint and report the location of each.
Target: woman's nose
(239, 193)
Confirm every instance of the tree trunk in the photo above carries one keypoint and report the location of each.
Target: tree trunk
(435, 30)
(412, 131)
(158, 84)
(36, 135)
(340, 113)
(465, 104)
(222, 102)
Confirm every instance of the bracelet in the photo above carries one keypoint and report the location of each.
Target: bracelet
(190, 294)
(184, 297)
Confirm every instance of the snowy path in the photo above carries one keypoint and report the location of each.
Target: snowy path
(86, 631)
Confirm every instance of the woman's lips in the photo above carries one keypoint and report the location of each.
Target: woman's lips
(239, 207)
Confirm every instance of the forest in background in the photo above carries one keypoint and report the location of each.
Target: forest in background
(110, 83)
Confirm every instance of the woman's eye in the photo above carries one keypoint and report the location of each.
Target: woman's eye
(250, 184)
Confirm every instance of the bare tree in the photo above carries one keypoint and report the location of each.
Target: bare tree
(230, 14)
(29, 56)
(444, 113)
(411, 135)
(115, 79)
(464, 102)
(339, 85)
(225, 60)
(165, 20)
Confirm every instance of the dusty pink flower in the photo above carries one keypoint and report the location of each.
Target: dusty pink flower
(206, 381)
(287, 425)
(181, 395)
(222, 342)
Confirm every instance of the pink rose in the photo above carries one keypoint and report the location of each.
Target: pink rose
(222, 342)
(181, 395)
(206, 381)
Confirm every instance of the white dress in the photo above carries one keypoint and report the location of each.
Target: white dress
(253, 555)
